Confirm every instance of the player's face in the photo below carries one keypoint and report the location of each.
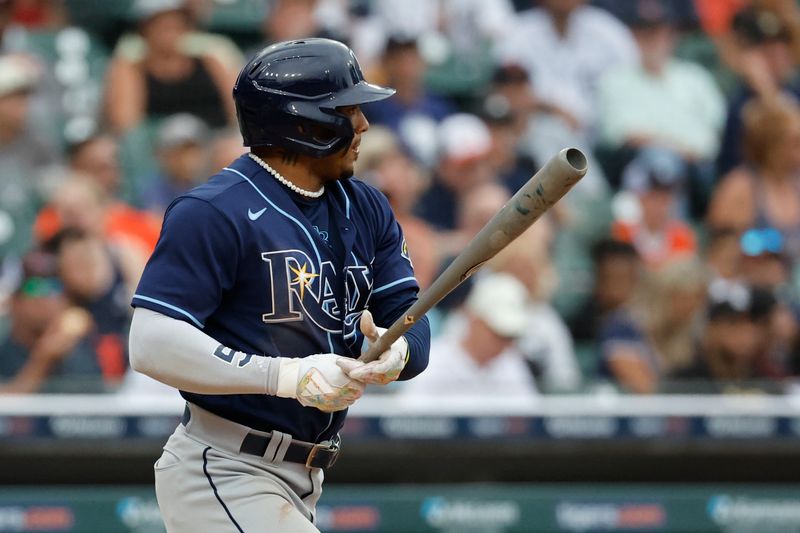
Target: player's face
(340, 165)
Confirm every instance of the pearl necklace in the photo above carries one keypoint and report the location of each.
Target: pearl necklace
(284, 181)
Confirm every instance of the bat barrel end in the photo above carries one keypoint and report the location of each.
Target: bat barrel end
(576, 159)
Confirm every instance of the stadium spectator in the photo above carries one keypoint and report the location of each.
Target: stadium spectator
(546, 342)
(653, 338)
(513, 166)
(24, 155)
(196, 42)
(383, 164)
(617, 274)
(38, 15)
(464, 144)
(455, 37)
(477, 356)
(764, 262)
(225, 147)
(661, 101)
(656, 177)
(46, 346)
(511, 83)
(65, 104)
(181, 152)
(80, 204)
(765, 265)
(547, 127)
(759, 47)
(475, 209)
(286, 20)
(5, 23)
(412, 113)
(37, 297)
(722, 253)
(734, 344)
(765, 191)
(537, 137)
(97, 158)
(166, 80)
(92, 277)
(566, 46)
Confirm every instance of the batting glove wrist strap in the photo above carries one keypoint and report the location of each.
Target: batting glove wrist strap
(317, 381)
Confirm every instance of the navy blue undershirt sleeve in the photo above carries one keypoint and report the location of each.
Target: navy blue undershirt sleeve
(419, 347)
(418, 336)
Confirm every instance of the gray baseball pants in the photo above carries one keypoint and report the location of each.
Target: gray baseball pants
(203, 483)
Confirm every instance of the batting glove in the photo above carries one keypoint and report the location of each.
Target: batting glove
(317, 381)
(387, 367)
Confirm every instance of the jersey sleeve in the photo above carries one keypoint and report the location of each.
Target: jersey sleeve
(194, 263)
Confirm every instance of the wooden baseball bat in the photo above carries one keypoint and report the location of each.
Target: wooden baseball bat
(544, 189)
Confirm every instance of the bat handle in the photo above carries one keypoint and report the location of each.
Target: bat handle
(386, 340)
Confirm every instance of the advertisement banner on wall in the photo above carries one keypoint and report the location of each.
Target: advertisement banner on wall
(443, 509)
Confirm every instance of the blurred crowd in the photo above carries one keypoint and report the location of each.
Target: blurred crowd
(674, 266)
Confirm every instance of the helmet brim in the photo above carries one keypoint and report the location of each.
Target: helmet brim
(360, 93)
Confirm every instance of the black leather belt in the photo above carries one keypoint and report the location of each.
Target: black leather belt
(306, 453)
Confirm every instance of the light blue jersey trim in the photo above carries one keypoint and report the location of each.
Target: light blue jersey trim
(330, 343)
(392, 284)
(346, 201)
(170, 306)
(279, 210)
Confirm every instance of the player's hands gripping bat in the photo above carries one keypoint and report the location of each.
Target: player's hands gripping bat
(533, 199)
(387, 367)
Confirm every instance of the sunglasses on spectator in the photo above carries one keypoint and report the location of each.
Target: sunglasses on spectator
(37, 287)
(755, 242)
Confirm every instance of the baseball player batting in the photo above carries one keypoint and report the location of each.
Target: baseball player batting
(254, 303)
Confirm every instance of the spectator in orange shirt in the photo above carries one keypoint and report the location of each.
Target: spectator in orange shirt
(94, 184)
(655, 178)
(81, 204)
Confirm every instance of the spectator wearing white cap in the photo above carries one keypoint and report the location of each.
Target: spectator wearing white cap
(464, 143)
(546, 342)
(478, 358)
(24, 155)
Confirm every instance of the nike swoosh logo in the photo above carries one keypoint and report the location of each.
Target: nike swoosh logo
(256, 215)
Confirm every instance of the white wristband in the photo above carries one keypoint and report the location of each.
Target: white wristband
(288, 375)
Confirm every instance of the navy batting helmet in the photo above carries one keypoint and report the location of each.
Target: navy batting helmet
(287, 96)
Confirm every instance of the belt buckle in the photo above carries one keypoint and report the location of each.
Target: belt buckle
(313, 453)
(328, 446)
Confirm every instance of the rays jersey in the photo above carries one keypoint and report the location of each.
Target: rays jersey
(268, 273)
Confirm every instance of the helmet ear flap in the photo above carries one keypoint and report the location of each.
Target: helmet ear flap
(317, 133)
